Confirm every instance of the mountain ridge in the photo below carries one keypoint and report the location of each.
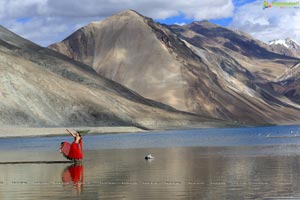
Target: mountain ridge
(40, 87)
(165, 63)
(287, 47)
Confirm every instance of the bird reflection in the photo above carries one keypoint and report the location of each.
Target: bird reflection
(73, 177)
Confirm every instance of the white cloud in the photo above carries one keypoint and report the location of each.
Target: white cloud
(268, 24)
(39, 29)
(180, 24)
(47, 30)
(52, 20)
(15, 8)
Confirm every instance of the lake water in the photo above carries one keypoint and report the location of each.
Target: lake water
(241, 163)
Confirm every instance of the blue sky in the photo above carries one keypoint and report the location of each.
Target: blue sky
(48, 21)
(182, 19)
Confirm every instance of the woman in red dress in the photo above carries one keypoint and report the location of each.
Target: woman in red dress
(72, 151)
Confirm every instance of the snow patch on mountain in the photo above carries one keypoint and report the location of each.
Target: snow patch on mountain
(288, 43)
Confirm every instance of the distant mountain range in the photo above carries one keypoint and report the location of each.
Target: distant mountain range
(199, 68)
(129, 70)
(288, 47)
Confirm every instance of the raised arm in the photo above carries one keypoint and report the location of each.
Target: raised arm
(71, 133)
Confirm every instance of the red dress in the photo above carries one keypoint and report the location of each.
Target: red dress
(72, 151)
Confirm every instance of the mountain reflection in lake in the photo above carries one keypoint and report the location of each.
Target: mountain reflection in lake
(270, 170)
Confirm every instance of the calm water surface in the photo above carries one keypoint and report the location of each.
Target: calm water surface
(243, 163)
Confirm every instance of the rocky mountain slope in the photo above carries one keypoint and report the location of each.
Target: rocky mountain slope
(253, 55)
(288, 84)
(199, 68)
(288, 47)
(40, 87)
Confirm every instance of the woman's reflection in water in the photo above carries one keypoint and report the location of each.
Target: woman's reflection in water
(73, 177)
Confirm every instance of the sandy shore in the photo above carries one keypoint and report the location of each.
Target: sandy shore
(35, 132)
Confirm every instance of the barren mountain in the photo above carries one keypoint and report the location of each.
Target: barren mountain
(190, 68)
(275, 71)
(288, 47)
(253, 55)
(40, 87)
(288, 84)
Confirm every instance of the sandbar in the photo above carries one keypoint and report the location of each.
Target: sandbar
(59, 131)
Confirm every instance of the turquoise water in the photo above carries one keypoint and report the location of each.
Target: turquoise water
(242, 163)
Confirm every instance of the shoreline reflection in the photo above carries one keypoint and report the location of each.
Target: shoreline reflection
(73, 177)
